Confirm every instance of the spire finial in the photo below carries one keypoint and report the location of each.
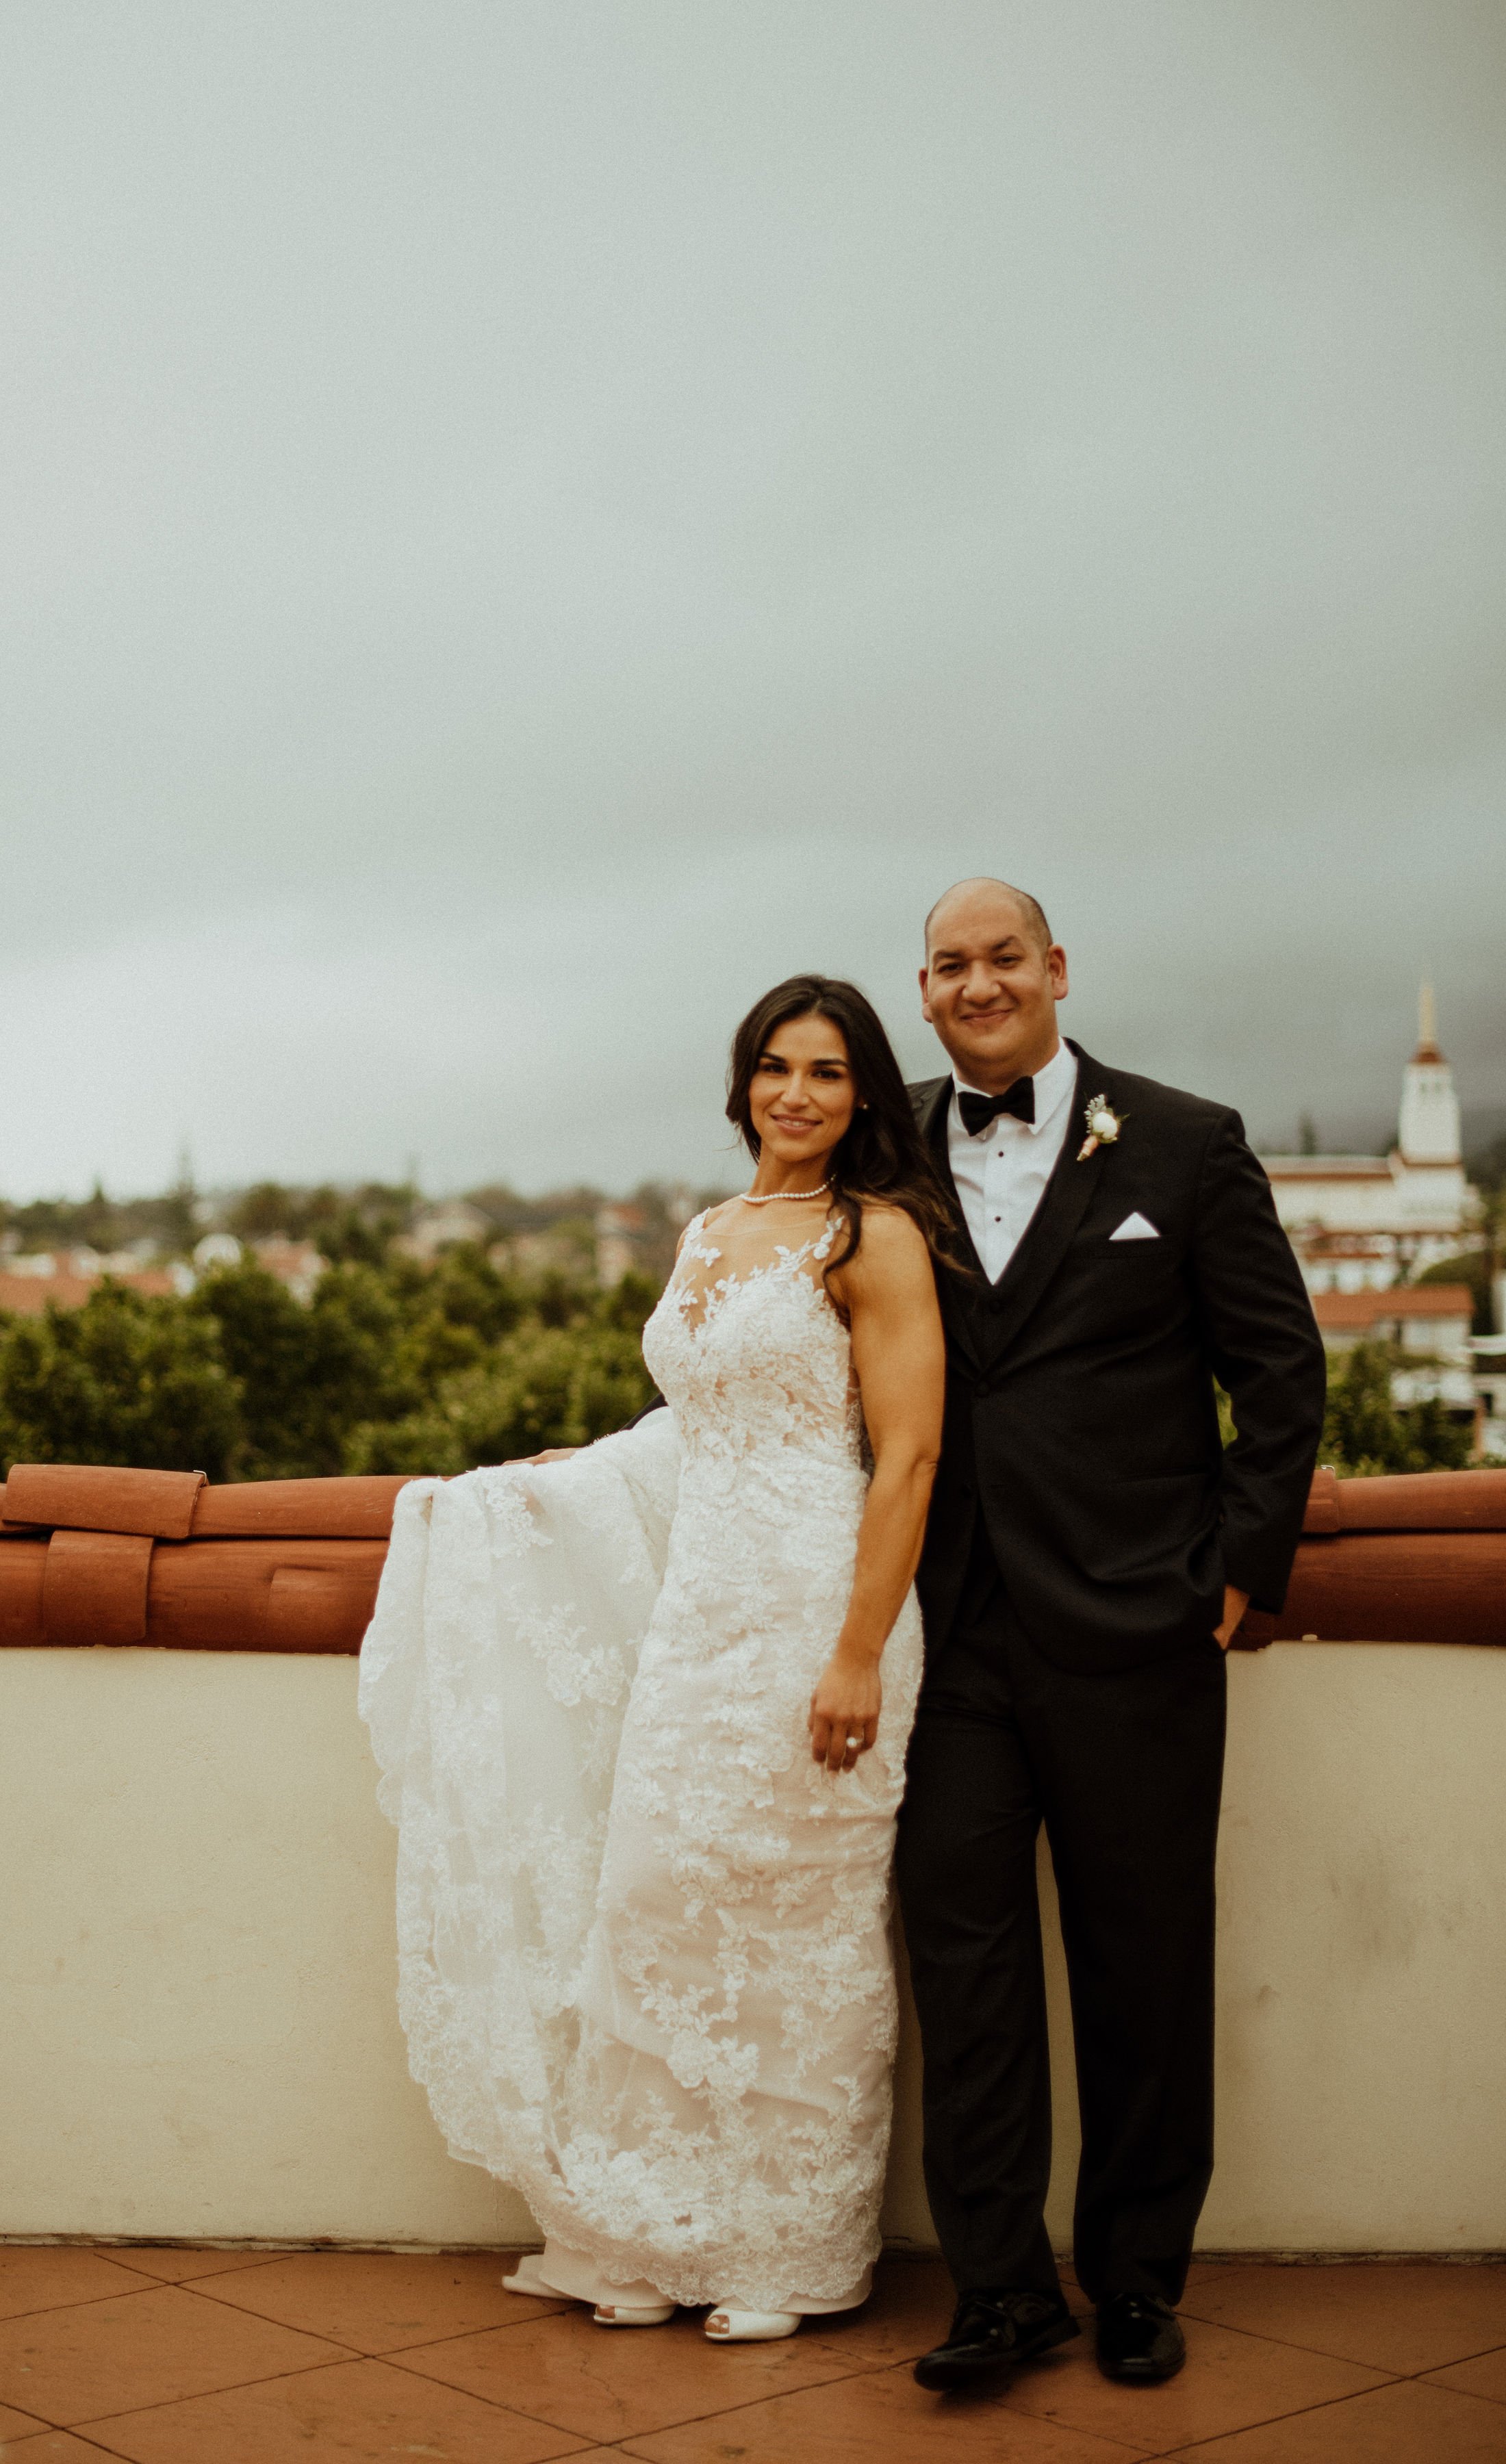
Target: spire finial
(1426, 1024)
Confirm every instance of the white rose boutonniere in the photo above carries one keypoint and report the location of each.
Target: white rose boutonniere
(1104, 1126)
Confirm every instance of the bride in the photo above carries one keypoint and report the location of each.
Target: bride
(641, 1715)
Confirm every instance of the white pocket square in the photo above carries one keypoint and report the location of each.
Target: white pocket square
(1135, 1229)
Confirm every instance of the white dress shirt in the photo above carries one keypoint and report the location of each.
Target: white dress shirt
(1001, 1176)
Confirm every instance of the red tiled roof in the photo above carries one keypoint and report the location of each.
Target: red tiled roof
(1345, 1309)
(1326, 1167)
(28, 1296)
(1346, 1244)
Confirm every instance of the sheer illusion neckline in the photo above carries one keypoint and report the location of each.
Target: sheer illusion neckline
(698, 1303)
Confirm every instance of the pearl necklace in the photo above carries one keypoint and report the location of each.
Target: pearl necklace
(774, 1195)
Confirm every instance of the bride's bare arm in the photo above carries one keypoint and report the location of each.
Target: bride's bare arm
(899, 1359)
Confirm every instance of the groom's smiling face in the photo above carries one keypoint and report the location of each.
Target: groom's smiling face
(991, 983)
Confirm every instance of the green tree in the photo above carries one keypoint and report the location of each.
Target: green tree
(396, 1366)
(1473, 1269)
(264, 1211)
(121, 1380)
(308, 1376)
(469, 1291)
(629, 1304)
(1364, 1431)
(540, 1386)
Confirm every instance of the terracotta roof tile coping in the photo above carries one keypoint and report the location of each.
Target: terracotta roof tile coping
(1399, 1301)
(357, 1507)
(103, 1497)
(1413, 1500)
(183, 1505)
(292, 1566)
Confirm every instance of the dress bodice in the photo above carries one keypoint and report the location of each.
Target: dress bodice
(757, 1360)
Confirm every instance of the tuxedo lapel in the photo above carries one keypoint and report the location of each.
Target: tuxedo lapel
(934, 1118)
(1064, 1203)
(966, 1299)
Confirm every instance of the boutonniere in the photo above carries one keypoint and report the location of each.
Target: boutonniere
(1104, 1126)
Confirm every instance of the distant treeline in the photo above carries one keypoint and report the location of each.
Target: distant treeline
(398, 1367)
(345, 1222)
(349, 1225)
(390, 1366)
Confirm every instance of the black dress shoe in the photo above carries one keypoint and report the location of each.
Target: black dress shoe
(992, 2331)
(1140, 2339)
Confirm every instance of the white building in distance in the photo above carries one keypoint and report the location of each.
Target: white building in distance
(1362, 1222)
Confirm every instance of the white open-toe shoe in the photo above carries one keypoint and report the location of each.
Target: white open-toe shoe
(632, 2314)
(526, 2278)
(726, 2326)
(608, 2310)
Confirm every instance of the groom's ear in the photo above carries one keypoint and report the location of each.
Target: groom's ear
(926, 1004)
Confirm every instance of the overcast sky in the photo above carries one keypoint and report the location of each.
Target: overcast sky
(523, 524)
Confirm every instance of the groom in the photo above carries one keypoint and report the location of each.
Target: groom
(1091, 1552)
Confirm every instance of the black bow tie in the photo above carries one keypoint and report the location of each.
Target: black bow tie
(979, 1111)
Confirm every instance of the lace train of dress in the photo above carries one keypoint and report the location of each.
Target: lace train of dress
(644, 1958)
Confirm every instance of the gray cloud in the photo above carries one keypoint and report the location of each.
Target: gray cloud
(523, 523)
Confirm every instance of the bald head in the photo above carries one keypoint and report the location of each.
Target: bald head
(991, 981)
(972, 901)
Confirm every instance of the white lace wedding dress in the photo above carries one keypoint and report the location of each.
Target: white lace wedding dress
(644, 1957)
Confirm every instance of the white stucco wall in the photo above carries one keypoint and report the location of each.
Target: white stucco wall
(196, 1965)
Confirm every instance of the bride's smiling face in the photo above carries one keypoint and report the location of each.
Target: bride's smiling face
(802, 1094)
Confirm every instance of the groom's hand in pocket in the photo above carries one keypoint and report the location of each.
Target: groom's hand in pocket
(1235, 1603)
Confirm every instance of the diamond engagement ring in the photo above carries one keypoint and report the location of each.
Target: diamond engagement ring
(854, 1742)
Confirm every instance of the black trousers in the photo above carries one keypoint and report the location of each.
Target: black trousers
(1125, 1770)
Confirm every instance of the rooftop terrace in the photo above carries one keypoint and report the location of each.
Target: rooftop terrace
(178, 2356)
(230, 2232)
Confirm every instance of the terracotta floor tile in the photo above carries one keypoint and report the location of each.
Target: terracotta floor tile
(881, 2418)
(606, 2383)
(17, 2425)
(179, 2266)
(148, 2347)
(1396, 2319)
(909, 2310)
(1199, 2268)
(1486, 2376)
(1400, 2424)
(53, 2447)
(47, 2277)
(1230, 2382)
(380, 2300)
(346, 2414)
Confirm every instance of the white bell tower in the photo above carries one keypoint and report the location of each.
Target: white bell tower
(1428, 1131)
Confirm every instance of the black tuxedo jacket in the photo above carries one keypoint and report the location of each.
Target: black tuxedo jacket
(1080, 1422)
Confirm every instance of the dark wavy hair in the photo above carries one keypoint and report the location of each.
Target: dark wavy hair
(882, 1154)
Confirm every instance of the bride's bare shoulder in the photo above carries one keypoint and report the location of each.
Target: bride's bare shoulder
(892, 1249)
(890, 1226)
